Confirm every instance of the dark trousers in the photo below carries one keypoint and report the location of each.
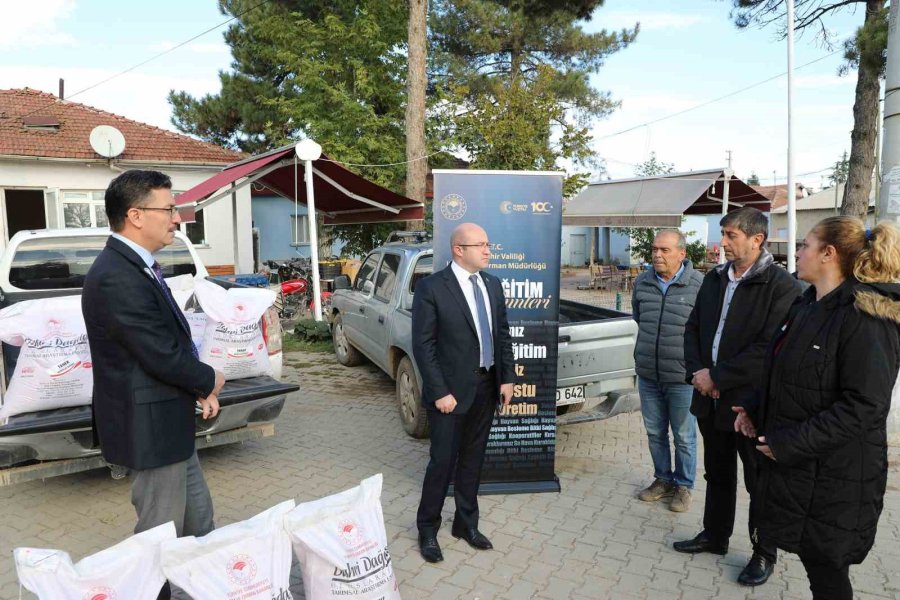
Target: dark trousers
(720, 452)
(457, 451)
(828, 582)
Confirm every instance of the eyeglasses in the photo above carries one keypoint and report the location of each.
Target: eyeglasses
(482, 245)
(169, 209)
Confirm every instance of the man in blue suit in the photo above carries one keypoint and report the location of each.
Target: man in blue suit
(463, 348)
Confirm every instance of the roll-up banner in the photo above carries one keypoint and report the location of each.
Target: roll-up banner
(521, 211)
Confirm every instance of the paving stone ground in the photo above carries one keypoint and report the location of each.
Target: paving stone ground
(593, 540)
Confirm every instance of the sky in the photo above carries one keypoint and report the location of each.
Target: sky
(687, 53)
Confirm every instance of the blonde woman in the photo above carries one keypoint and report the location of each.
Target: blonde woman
(822, 420)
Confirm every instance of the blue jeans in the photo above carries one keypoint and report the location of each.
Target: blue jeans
(662, 405)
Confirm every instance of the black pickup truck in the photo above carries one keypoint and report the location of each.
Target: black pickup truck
(48, 263)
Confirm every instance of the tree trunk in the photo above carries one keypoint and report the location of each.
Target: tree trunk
(417, 167)
(862, 138)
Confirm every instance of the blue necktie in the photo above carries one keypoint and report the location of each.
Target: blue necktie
(167, 294)
(487, 344)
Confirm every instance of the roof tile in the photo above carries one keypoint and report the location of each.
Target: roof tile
(70, 140)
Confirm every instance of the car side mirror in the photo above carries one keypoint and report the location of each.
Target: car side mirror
(368, 286)
(341, 282)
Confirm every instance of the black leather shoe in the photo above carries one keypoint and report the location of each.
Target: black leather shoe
(428, 546)
(702, 543)
(475, 538)
(757, 571)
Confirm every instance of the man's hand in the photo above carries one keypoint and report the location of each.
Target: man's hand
(446, 404)
(703, 383)
(220, 383)
(210, 406)
(764, 448)
(506, 393)
(743, 423)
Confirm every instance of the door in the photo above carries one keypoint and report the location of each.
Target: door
(354, 316)
(24, 210)
(577, 249)
(380, 307)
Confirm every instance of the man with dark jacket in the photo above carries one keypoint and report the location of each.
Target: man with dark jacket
(739, 307)
(661, 304)
(147, 377)
(462, 345)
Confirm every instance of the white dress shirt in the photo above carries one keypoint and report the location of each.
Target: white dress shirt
(733, 283)
(462, 276)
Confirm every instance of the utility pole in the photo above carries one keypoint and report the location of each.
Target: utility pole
(728, 173)
(837, 182)
(792, 188)
(889, 203)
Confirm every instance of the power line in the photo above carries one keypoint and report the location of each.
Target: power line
(714, 100)
(155, 56)
(405, 162)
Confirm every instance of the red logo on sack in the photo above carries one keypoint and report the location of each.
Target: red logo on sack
(350, 533)
(100, 593)
(241, 569)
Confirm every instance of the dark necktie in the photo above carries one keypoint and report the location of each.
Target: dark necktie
(167, 294)
(487, 344)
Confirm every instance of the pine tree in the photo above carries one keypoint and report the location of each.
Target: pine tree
(513, 78)
(330, 70)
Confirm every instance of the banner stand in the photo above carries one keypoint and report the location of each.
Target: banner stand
(521, 211)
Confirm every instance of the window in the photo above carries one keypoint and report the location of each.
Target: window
(84, 209)
(387, 277)
(196, 231)
(424, 267)
(175, 259)
(365, 273)
(62, 263)
(299, 230)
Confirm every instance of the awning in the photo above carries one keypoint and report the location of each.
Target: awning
(343, 196)
(659, 201)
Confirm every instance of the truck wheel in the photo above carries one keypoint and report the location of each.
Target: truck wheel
(346, 354)
(412, 414)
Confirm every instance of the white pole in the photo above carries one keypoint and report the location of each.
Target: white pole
(313, 239)
(791, 185)
(308, 151)
(727, 174)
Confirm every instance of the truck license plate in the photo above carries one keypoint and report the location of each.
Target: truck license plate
(569, 395)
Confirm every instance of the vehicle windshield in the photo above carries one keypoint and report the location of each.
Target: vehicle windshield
(62, 262)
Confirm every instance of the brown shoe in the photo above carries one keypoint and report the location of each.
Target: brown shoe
(656, 491)
(681, 501)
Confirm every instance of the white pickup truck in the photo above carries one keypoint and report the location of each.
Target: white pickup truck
(372, 317)
(48, 263)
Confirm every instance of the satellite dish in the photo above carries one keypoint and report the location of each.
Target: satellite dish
(107, 141)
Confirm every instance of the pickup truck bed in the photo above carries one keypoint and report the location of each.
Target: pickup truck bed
(372, 317)
(64, 436)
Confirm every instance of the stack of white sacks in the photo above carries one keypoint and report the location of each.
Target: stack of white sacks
(54, 364)
(340, 543)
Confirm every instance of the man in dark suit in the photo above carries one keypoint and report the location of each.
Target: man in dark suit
(738, 310)
(147, 377)
(463, 348)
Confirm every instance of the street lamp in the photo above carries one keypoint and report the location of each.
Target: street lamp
(308, 151)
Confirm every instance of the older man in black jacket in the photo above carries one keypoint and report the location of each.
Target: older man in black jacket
(739, 307)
